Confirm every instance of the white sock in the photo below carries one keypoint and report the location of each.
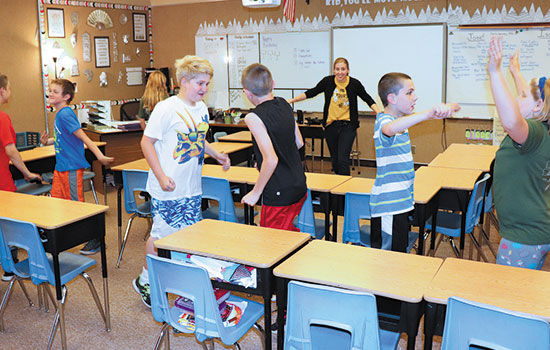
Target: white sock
(144, 276)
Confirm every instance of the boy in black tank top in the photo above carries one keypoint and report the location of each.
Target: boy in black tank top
(276, 140)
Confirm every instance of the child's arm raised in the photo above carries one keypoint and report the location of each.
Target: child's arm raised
(443, 110)
(507, 107)
(92, 147)
(221, 158)
(148, 148)
(269, 157)
(15, 157)
(519, 80)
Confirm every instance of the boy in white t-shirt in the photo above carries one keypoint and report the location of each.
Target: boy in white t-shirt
(174, 143)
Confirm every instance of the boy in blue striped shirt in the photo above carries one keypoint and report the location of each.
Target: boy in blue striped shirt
(392, 199)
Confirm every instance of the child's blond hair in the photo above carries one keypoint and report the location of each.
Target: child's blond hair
(155, 90)
(257, 79)
(540, 88)
(190, 67)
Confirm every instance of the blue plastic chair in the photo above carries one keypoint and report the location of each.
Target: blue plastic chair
(306, 221)
(218, 189)
(88, 175)
(449, 223)
(321, 317)
(9, 266)
(24, 235)
(35, 189)
(471, 325)
(191, 281)
(357, 206)
(134, 181)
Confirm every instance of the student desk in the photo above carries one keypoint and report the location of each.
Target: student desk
(65, 224)
(238, 152)
(469, 149)
(512, 288)
(262, 248)
(404, 277)
(123, 145)
(239, 136)
(324, 183)
(465, 156)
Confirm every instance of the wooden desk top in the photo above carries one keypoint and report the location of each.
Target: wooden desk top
(452, 160)
(429, 180)
(240, 136)
(324, 182)
(111, 130)
(465, 149)
(140, 164)
(395, 275)
(45, 152)
(244, 244)
(355, 184)
(512, 288)
(235, 174)
(228, 147)
(46, 212)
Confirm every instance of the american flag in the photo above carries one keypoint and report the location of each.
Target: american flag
(289, 9)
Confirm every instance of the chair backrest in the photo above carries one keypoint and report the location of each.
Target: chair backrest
(24, 235)
(469, 323)
(312, 306)
(475, 206)
(306, 218)
(219, 134)
(219, 190)
(133, 181)
(129, 110)
(357, 206)
(192, 282)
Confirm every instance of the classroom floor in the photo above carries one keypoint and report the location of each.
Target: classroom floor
(132, 324)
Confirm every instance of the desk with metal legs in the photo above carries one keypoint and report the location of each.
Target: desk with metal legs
(65, 224)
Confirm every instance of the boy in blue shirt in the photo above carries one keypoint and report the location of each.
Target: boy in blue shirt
(392, 199)
(69, 140)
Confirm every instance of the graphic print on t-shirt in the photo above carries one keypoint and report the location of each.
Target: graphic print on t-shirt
(191, 144)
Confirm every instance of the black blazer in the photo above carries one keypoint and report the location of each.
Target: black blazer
(353, 90)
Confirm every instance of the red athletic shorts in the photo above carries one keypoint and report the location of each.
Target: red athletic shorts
(281, 217)
(68, 185)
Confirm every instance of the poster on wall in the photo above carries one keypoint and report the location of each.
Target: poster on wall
(101, 45)
(56, 23)
(140, 26)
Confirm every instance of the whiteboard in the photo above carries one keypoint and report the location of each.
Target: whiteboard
(296, 60)
(467, 78)
(417, 50)
(243, 50)
(237, 99)
(214, 49)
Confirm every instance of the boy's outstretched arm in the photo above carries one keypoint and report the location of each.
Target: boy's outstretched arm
(15, 157)
(507, 107)
(269, 157)
(92, 147)
(148, 148)
(441, 111)
(221, 158)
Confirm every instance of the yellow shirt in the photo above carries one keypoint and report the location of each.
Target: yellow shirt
(339, 103)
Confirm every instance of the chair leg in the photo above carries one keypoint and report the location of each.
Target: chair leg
(94, 295)
(46, 305)
(57, 316)
(162, 336)
(5, 299)
(454, 248)
(20, 281)
(125, 239)
(262, 334)
(93, 191)
(478, 247)
(149, 226)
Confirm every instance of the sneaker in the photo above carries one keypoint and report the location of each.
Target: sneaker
(274, 327)
(7, 276)
(143, 291)
(93, 246)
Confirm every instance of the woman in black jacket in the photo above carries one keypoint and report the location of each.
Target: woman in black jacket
(340, 114)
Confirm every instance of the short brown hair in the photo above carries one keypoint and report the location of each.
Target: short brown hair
(3, 81)
(391, 83)
(257, 79)
(67, 88)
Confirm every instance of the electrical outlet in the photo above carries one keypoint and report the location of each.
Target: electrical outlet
(413, 149)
